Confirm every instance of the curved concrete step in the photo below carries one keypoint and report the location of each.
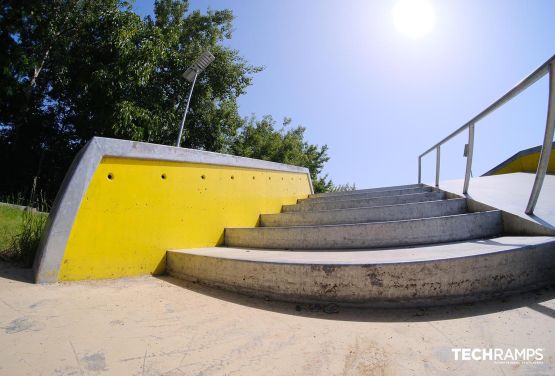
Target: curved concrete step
(414, 210)
(359, 196)
(380, 189)
(422, 276)
(368, 202)
(370, 235)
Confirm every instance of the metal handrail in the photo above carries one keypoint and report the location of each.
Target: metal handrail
(546, 68)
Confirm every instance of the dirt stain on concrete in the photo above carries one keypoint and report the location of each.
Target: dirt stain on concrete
(94, 362)
(365, 358)
(22, 324)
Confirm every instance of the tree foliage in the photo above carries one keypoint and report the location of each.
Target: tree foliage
(74, 69)
(261, 140)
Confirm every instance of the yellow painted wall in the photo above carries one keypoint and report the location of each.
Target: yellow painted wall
(527, 163)
(125, 224)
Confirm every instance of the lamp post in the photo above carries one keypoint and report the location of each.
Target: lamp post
(191, 75)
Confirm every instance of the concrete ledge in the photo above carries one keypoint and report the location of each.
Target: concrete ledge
(421, 276)
(80, 175)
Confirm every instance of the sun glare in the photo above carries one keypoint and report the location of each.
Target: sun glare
(414, 18)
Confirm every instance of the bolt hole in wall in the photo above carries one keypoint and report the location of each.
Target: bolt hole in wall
(110, 176)
(518, 125)
(163, 176)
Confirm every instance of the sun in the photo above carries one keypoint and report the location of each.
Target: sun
(414, 18)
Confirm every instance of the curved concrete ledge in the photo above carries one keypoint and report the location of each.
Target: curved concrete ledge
(79, 176)
(419, 276)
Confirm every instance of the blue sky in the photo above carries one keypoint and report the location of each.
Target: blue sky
(378, 98)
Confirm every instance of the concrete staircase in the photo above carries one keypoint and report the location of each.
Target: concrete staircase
(394, 246)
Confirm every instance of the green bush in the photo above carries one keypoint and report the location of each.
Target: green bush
(25, 244)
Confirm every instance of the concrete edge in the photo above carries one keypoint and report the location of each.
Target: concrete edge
(75, 184)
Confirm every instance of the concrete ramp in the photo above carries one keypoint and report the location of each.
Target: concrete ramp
(510, 193)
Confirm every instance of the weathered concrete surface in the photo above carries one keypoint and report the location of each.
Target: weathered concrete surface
(377, 234)
(510, 192)
(368, 202)
(427, 209)
(424, 276)
(149, 326)
(358, 195)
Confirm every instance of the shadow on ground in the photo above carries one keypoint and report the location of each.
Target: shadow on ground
(532, 299)
(15, 272)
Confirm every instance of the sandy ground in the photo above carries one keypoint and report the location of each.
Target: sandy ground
(162, 326)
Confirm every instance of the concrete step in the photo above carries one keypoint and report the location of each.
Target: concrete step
(381, 189)
(364, 215)
(367, 202)
(356, 195)
(422, 276)
(370, 235)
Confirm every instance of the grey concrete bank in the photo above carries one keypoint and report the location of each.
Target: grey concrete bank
(395, 246)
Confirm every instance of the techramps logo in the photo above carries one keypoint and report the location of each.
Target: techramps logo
(500, 356)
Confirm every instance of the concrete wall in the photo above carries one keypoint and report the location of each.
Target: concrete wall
(123, 204)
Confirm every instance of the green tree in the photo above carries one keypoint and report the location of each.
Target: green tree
(74, 69)
(261, 140)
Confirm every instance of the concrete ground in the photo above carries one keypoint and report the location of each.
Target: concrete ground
(162, 326)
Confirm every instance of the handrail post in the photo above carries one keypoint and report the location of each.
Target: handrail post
(547, 144)
(469, 153)
(420, 170)
(438, 158)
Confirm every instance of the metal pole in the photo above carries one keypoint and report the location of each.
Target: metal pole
(178, 142)
(547, 144)
(469, 158)
(419, 170)
(438, 157)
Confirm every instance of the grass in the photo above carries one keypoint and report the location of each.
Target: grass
(20, 233)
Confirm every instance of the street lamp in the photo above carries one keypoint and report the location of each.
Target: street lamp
(191, 75)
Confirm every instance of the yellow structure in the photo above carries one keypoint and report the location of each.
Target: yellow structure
(121, 208)
(524, 161)
(135, 210)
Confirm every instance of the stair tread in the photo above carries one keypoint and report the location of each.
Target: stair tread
(362, 195)
(331, 211)
(365, 202)
(378, 198)
(378, 189)
(483, 213)
(441, 251)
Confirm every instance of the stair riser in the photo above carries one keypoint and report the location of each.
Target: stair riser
(371, 235)
(380, 201)
(365, 215)
(362, 196)
(381, 189)
(426, 283)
